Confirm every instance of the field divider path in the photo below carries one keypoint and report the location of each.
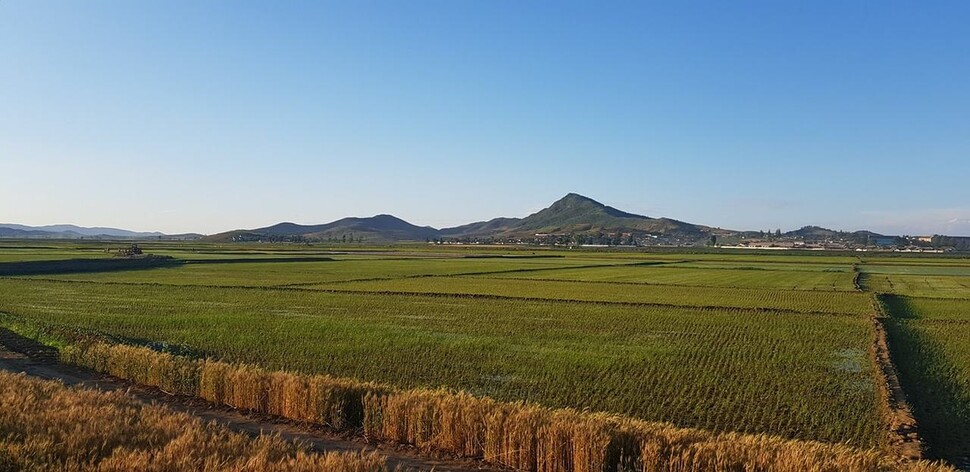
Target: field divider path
(903, 431)
(904, 437)
(19, 354)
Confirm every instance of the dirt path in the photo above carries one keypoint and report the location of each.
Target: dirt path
(904, 434)
(38, 362)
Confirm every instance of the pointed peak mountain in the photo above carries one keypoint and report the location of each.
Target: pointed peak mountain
(576, 203)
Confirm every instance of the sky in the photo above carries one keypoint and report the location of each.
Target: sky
(188, 116)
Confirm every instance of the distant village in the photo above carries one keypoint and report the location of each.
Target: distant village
(836, 241)
(927, 244)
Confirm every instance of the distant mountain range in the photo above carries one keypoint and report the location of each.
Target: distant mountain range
(574, 216)
(571, 215)
(9, 230)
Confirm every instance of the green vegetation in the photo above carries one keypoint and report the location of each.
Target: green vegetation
(664, 275)
(659, 363)
(255, 274)
(517, 435)
(781, 300)
(755, 343)
(935, 286)
(930, 341)
(929, 333)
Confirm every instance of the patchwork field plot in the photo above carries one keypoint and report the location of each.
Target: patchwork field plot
(665, 275)
(932, 286)
(782, 300)
(725, 369)
(913, 269)
(762, 265)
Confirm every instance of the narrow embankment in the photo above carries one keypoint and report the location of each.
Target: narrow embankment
(904, 439)
(903, 430)
(18, 354)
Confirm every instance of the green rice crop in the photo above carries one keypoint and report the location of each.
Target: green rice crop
(285, 273)
(794, 300)
(755, 265)
(913, 269)
(668, 275)
(933, 286)
(796, 375)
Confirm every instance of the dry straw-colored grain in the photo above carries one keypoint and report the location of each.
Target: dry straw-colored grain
(47, 426)
(518, 435)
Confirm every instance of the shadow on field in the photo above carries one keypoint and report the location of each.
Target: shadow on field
(929, 379)
(65, 266)
(897, 306)
(70, 266)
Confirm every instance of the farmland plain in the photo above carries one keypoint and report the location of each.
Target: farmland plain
(759, 343)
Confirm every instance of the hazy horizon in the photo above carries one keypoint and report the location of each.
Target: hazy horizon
(529, 212)
(207, 117)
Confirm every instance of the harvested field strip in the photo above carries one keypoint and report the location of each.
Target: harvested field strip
(522, 436)
(653, 363)
(47, 426)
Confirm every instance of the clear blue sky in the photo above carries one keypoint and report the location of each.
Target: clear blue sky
(208, 116)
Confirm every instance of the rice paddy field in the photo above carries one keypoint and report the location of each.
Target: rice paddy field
(779, 344)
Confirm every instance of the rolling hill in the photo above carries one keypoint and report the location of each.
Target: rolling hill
(9, 230)
(380, 228)
(572, 214)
